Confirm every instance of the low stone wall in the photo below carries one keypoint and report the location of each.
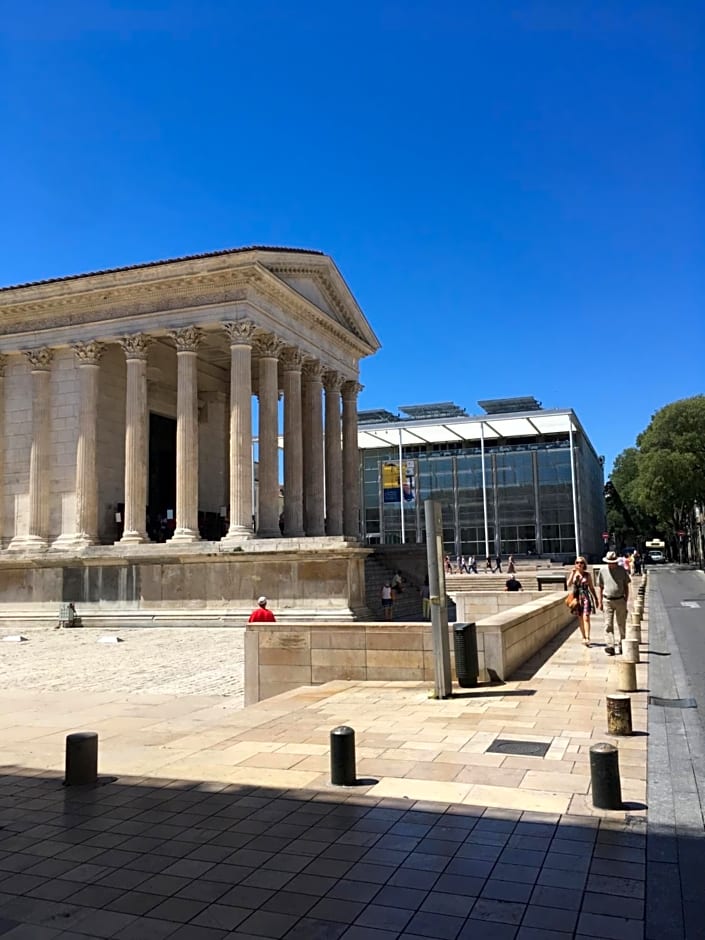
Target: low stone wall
(476, 605)
(280, 657)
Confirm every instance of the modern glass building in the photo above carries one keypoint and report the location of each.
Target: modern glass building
(518, 479)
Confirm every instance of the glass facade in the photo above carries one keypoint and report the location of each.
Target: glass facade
(525, 508)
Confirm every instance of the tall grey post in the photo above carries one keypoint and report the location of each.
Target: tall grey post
(292, 361)
(351, 462)
(136, 438)
(241, 334)
(40, 367)
(269, 349)
(437, 591)
(88, 356)
(187, 342)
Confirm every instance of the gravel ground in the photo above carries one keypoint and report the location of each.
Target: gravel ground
(179, 661)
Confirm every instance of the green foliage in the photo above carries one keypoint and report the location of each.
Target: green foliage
(662, 479)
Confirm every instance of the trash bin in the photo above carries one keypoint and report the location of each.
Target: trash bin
(467, 666)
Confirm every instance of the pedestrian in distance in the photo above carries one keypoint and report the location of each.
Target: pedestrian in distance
(488, 565)
(426, 599)
(498, 563)
(510, 565)
(387, 600)
(613, 593)
(581, 584)
(512, 584)
(261, 613)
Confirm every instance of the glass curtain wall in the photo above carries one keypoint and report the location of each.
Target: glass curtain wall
(529, 498)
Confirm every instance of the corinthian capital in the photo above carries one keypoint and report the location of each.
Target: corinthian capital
(333, 381)
(240, 332)
(313, 370)
(269, 346)
(351, 390)
(292, 359)
(88, 354)
(40, 359)
(187, 339)
(135, 347)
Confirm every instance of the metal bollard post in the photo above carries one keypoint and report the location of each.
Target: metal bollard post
(626, 677)
(630, 650)
(619, 714)
(342, 757)
(81, 758)
(604, 777)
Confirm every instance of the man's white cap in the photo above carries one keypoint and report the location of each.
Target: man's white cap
(261, 600)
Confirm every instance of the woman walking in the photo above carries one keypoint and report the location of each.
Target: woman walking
(580, 580)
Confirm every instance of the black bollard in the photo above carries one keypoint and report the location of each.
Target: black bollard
(342, 757)
(81, 758)
(604, 776)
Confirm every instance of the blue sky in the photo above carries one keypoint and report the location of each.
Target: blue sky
(513, 191)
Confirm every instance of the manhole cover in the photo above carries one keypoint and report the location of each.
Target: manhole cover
(673, 702)
(524, 748)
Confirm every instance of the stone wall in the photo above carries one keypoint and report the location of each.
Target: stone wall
(281, 657)
(154, 586)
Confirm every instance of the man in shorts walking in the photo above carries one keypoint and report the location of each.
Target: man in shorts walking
(612, 596)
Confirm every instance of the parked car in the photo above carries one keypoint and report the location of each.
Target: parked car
(656, 558)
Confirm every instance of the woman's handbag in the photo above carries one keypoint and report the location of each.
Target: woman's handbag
(572, 603)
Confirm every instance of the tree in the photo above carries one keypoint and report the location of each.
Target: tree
(663, 477)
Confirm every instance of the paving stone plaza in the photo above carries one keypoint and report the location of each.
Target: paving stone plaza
(214, 821)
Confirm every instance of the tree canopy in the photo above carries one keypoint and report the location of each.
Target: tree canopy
(661, 481)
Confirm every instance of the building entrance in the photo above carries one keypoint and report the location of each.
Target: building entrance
(161, 494)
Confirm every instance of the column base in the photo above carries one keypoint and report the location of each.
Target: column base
(269, 533)
(72, 543)
(237, 534)
(133, 538)
(182, 536)
(28, 543)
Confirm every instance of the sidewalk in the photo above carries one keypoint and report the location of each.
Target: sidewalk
(220, 822)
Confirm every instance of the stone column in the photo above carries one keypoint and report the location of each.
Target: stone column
(88, 356)
(38, 508)
(351, 462)
(3, 363)
(293, 456)
(269, 348)
(314, 517)
(334, 456)
(187, 342)
(241, 335)
(136, 438)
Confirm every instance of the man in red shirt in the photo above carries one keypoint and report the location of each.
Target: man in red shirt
(261, 614)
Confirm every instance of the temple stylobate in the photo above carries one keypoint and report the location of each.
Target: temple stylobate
(131, 399)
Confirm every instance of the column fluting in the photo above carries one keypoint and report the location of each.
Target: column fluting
(351, 462)
(333, 456)
(136, 438)
(292, 361)
(269, 349)
(314, 514)
(241, 336)
(187, 342)
(38, 508)
(88, 356)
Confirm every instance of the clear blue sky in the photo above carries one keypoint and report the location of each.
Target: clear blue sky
(513, 190)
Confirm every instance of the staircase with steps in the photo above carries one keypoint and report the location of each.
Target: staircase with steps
(407, 605)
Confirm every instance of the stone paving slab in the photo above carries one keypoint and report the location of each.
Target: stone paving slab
(221, 822)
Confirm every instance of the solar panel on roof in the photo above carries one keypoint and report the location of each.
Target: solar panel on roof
(376, 416)
(502, 406)
(443, 409)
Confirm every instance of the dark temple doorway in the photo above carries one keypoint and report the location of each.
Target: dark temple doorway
(161, 492)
